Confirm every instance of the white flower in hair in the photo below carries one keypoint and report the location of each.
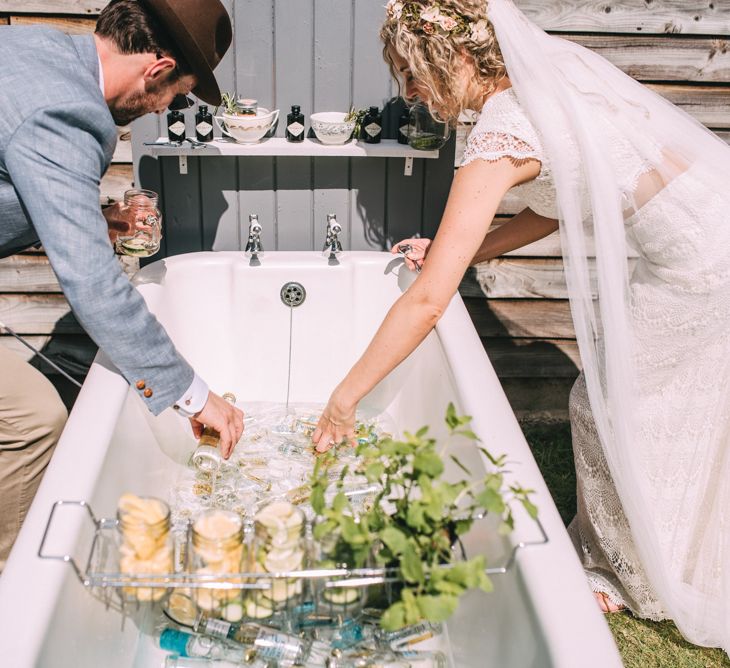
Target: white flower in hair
(395, 8)
(447, 22)
(479, 31)
(431, 15)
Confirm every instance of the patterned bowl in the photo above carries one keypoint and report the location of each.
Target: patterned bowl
(247, 129)
(331, 128)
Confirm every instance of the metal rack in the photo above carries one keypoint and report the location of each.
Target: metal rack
(101, 567)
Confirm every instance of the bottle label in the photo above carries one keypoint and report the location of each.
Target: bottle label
(177, 128)
(295, 129)
(203, 128)
(373, 129)
(217, 627)
(278, 646)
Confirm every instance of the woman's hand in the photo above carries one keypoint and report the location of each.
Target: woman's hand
(416, 255)
(336, 424)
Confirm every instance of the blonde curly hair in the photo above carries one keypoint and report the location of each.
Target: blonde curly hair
(430, 36)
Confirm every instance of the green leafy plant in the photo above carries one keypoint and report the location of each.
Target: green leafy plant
(228, 103)
(416, 519)
(356, 115)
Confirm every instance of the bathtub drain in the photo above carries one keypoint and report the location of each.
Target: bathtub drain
(293, 294)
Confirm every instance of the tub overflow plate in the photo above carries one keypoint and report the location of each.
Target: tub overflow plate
(293, 294)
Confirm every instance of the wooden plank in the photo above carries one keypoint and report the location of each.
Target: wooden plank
(651, 58)
(52, 6)
(117, 179)
(533, 358)
(709, 105)
(699, 17)
(515, 279)
(72, 26)
(539, 399)
(27, 273)
(521, 318)
(38, 314)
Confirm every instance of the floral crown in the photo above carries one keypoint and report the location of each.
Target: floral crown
(433, 20)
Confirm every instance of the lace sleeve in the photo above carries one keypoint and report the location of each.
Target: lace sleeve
(493, 145)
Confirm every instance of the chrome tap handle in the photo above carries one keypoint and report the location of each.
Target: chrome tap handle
(254, 245)
(332, 245)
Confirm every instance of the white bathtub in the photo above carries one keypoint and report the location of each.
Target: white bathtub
(227, 318)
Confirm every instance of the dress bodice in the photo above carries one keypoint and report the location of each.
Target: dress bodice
(504, 130)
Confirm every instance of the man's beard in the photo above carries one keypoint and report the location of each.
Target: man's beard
(133, 107)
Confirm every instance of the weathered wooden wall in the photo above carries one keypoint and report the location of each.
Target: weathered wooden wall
(324, 53)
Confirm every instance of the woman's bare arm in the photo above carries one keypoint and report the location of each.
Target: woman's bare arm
(521, 230)
(475, 195)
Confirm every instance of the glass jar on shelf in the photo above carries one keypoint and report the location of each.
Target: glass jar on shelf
(145, 545)
(218, 552)
(280, 548)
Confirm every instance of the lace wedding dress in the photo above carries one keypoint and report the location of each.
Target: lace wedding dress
(679, 300)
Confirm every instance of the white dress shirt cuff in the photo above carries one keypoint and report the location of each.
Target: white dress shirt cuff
(194, 399)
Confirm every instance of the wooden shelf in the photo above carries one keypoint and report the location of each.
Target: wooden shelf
(387, 148)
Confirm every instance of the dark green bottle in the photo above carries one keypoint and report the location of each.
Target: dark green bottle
(295, 124)
(372, 126)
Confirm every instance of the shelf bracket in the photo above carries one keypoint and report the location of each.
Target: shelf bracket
(183, 164)
(408, 168)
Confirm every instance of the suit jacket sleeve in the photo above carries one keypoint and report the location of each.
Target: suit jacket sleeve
(55, 161)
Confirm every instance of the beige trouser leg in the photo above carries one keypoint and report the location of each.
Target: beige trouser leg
(32, 417)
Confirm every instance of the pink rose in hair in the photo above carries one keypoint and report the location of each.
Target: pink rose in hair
(428, 28)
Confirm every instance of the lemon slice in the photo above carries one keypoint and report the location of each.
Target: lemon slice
(283, 589)
(341, 595)
(278, 561)
(257, 611)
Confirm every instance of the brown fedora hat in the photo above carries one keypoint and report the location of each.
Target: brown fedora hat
(201, 30)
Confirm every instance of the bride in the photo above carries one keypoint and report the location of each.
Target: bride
(622, 173)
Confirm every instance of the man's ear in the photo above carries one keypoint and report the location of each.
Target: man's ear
(158, 70)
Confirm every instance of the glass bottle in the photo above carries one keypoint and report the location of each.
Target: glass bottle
(187, 644)
(145, 542)
(403, 122)
(280, 547)
(218, 550)
(176, 126)
(372, 126)
(295, 124)
(376, 658)
(409, 635)
(285, 649)
(203, 124)
(207, 456)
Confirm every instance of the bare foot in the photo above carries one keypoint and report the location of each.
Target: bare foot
(606, 604)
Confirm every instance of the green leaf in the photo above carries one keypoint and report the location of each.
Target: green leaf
(410, 565)
(317, 499)
(437, 608)
(374, 471)
(395, 540)
(530, 507)
(422, 432)
(394, 617)
(416, 516)
(339, 503)
(452, 421)
(352, 532)
(412, 609)
(468, 433)
(491, 501)
(322, 529)
(429, 463)
(460, 465)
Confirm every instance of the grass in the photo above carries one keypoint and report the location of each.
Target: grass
(642, 643)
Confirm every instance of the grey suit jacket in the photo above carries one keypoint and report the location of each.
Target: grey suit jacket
(56, 141)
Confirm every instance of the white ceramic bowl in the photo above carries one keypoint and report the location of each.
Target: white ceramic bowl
(247, 129)
(331, 128)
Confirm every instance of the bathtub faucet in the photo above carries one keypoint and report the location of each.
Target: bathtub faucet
(253, 246)
(332, 244)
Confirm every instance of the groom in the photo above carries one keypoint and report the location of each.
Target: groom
(62, 97)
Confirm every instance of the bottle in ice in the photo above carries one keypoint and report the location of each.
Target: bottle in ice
(207, 456)
(187, 644)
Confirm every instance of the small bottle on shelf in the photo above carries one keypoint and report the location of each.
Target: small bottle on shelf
(403, 123)
(176, 126)
(295, 124)
(372, 126)
(203, 124)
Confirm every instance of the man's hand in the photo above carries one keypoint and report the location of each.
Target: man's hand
(225, 418)
(123, 220)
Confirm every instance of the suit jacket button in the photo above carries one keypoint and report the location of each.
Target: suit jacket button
(140, 385)
(147, 393)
